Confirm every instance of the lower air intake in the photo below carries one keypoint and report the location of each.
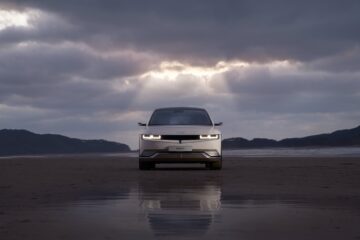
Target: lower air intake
(180, 137)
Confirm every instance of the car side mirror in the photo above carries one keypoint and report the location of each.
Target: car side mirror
(218, 124)
(142, 124)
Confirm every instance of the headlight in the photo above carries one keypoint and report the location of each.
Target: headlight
(209, 136)
(151, 137)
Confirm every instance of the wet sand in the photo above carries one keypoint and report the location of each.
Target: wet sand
(107, 197)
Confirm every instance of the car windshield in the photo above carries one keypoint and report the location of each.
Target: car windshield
(180, 117)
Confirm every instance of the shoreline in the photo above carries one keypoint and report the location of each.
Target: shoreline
(350, 151)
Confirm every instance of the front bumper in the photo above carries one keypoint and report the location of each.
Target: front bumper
(202, 151)
(180, 157)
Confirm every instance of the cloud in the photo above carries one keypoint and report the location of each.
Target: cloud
(203, 30)
(347, 61)
(289, 89)
(93, 69)
(66, 76)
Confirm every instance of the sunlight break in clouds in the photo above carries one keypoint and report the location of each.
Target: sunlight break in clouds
(181, 79)
(174, 80)
(172, 70)
(168, 75)
(12, 18)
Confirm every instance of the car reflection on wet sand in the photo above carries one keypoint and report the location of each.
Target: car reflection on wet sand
(177, 210)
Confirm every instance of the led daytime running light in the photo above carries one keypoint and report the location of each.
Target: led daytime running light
(209, 136)
(151, 137)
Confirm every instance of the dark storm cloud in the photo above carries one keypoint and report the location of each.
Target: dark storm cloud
(37, 63)
(67, 78)
(205, 30)
(348, 61)
(260, 89)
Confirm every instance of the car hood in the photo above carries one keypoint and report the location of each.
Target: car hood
(181, 130)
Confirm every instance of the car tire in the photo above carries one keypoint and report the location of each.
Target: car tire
(215, 165)
(146, 165)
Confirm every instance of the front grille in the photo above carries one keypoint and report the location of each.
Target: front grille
(180, 137)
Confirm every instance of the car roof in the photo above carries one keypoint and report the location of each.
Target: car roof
(180, 108)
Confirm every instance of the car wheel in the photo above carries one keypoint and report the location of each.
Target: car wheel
(215, 165)
(146, 166)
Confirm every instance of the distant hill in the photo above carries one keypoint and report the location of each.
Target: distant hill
(23, 142)
(340, 138)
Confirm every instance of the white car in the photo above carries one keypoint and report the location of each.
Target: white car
(180, 135)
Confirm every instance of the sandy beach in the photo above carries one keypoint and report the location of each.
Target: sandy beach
(107, 197)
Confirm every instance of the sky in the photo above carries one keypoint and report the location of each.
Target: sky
(94, 69)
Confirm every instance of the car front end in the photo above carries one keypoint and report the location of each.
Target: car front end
(180, 144)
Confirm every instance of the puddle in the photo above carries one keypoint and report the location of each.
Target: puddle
(199, 211)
